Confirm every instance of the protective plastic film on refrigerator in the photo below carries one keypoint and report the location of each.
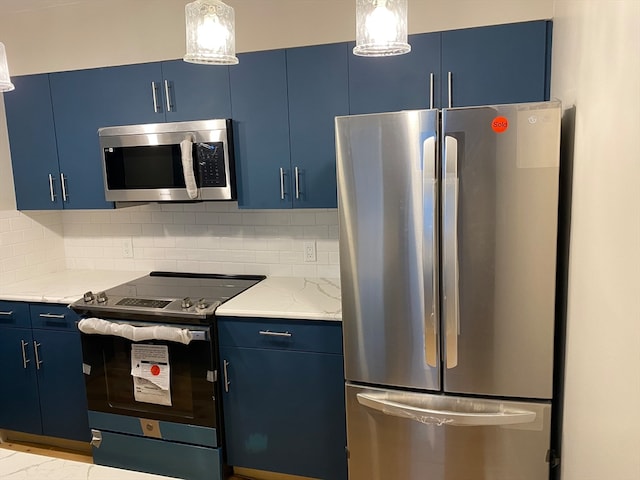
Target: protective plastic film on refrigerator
(448, 234)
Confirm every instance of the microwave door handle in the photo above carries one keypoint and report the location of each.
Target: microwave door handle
(186, 148)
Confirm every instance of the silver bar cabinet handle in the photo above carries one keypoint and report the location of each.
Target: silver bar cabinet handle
(35, 349)
(450, 88)
(431, 79)
(51, 315)
(269, 333)
(7, 314)
(25, 360)
(281, 183)
(297, 173)
(63, 182)
(450, 251)
(51, 192)
(167, 95)
(225, 364)
(155, 97)
(430, 255)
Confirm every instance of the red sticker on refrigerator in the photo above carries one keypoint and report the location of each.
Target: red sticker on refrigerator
(500, 124)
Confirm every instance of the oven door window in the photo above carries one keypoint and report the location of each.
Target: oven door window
(111, 385)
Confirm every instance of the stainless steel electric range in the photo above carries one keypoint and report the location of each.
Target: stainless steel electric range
(151, 372)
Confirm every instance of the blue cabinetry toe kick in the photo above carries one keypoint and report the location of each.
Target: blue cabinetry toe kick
(164, 448)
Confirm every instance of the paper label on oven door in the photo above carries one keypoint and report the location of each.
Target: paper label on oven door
(151, 373)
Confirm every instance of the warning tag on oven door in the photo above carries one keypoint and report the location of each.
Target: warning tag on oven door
(151, 373)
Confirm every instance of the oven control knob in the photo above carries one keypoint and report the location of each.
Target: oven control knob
(101, 297)
(186, 302)
(89, 297)
(201, 305)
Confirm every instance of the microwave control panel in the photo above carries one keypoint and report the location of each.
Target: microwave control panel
(210, 164)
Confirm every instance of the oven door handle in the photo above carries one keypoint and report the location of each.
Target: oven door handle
(98, 326)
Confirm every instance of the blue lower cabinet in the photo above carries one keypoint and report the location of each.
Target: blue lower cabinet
(284, 411)
(41, 360)
(190, 462)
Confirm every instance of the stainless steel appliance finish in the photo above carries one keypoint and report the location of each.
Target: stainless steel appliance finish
(442, 437)
(164, 320)
(176, 297)
(144, 162)
(448, 231)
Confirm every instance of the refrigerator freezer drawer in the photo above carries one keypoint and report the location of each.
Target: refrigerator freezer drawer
(396, 434)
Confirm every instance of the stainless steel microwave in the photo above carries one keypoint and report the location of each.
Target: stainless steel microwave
(178, 161)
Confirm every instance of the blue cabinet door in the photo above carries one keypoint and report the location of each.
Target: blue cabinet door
(389, 84)
(261, 130)
(32, 142)
(284, 412)
(19, 402)
(86, 100)
(497, 64)
(318, 91)
(63, 403)
(195, 92)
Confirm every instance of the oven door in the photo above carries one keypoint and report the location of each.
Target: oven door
(155, 380)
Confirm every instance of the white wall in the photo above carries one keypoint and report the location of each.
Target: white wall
(114, 32)
(596, 67)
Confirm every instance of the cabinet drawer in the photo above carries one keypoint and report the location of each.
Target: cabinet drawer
(300, 335)
(59, 317)
(14, 314)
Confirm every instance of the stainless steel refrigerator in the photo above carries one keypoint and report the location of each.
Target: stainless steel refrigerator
(448, 234)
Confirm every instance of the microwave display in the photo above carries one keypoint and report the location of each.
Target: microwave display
(160, 166)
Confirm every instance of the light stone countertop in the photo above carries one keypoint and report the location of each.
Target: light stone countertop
(274, 297)
(288, 297)
(28, 466)
(66, 286)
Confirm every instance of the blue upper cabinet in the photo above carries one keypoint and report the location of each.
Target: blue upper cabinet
(83, 102)
(261, 130)
(497, 64)
(404, 82)
(32, 142)
(284, 105)
(195, 92)
(317, 79)
(476, 66)
(63, 169)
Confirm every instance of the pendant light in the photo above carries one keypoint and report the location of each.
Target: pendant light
(211, 36)
(5, 80)
(381, 28)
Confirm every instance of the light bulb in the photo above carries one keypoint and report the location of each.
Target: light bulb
(211, 34)
(381, 25)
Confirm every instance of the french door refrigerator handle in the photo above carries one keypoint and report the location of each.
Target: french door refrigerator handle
(430, 272)
(450, 251)
(429, 416)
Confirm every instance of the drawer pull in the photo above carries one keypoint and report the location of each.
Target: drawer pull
(274, 334)
(7, 314)
(51, 315)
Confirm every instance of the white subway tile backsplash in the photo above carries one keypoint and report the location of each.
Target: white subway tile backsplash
(214, 237)
(31, 244)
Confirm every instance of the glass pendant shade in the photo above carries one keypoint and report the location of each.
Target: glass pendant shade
(211, 36)
(381, 28)
(5, 80)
